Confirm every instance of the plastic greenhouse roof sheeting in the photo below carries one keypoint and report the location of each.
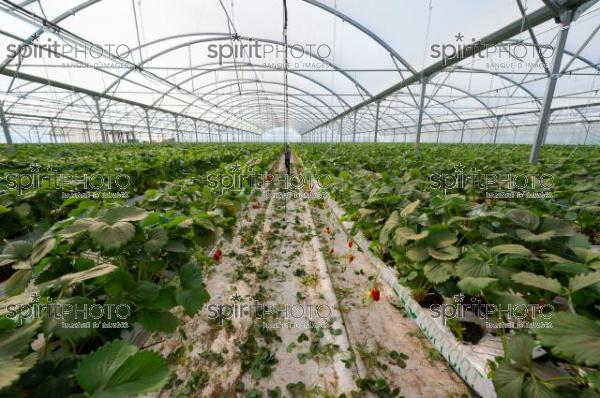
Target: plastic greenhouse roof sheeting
(178, 59)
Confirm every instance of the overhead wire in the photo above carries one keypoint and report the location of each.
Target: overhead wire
(285, 71)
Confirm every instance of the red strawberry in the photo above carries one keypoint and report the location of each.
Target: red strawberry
(375, 294)
(331, 251)
(217, 255)
(350, 243)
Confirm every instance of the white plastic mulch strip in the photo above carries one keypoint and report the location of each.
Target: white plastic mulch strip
(466, 360)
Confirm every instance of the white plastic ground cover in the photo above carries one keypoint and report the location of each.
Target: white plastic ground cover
(469, 361)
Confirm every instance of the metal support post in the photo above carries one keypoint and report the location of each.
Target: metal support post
(421, 108)
(496, 128)
(99, 114)
(148, 125)
(354, 128)
(9, 142)
(542, 127)
(376, 120)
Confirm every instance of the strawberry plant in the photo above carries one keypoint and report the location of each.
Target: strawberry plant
(145, 259)
(445, 236)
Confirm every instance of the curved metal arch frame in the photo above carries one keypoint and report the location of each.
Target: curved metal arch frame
(297, 113)
(70, 12)
(224, 37)
(442, 104)
(268, 82)
(221, 37)
(365, 30)
(367, 122)
(79, 97)
(226, 67)
(234, 80)
(227, 119)
(570, 53)
(242, 101)
(257, 119)
(88, 3)
(386, 121)
(519, 85)
(308, 115)
(244, 92)
(473, 96)
(127, 114)
(432, 98)
(393, 117)
(250, 81)
(262, 119)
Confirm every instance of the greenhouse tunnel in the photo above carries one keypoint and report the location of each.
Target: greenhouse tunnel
(180, 81)
(394, 161)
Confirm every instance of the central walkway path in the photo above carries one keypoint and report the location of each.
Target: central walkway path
(316, 333)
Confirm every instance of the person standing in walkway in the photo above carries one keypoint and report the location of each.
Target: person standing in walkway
(288, 157)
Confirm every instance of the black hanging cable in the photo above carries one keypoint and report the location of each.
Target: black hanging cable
(234, 37)
(285, 72)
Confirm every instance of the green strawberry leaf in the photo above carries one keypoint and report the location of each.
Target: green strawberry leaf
(508, 380)
(524, 218)
(122, 214)
(12, 343)
(192, 300)
(573, 337)
(472, 267)
(18, 281)
(473, 286)
(558, 226)
(112, 236)
(538, 281)
(528, 236)
(410, 208)
(190, 277)
(118, 369)
(440, 237)
(391, 223)
(444, 253)
(582, 281)
(157, 321)
(417, 253)
(437, 272)
(144, 292)
(157, 239)
(512, 249)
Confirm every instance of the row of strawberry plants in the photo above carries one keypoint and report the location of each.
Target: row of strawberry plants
(30, 198)
(123, 268)
(519, 251)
